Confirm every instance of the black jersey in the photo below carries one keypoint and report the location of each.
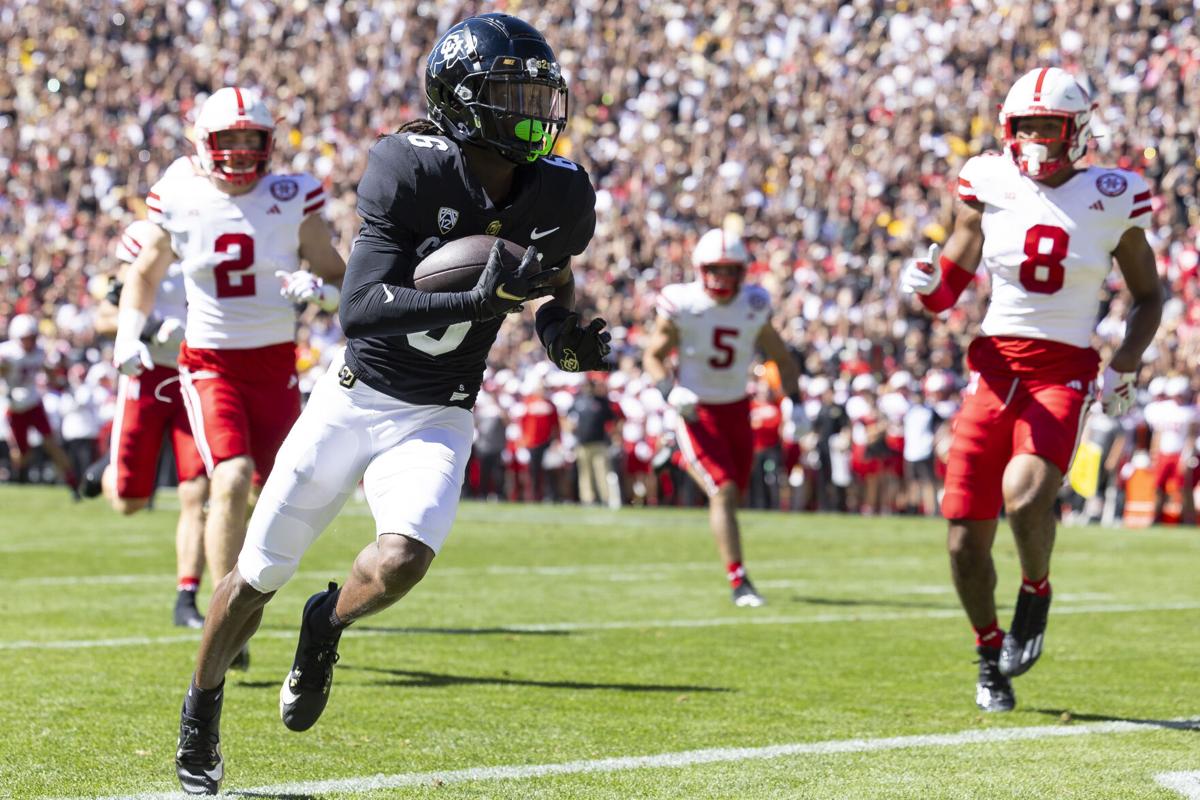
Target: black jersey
(416, 195)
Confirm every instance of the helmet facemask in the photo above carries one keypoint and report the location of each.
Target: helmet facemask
(517, 109)
(722, 279)
(1032, 153)
(237, 162)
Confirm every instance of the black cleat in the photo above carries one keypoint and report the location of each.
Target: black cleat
(90, 486)
(305, 690)
(1023, 642)
(186, 614)
(198, 761)
(744, 596)
(993, 692)
(241, 662)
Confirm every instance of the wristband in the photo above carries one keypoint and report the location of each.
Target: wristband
(130, 324)
(550, 315)
(954, 280)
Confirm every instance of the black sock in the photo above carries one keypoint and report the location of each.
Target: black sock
(323, 619)
(203, 704)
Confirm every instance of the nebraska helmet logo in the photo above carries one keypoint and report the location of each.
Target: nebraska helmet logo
(284, 189)
(447, 219)
(1112, 184)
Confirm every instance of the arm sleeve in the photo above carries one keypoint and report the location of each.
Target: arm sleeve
(374, 301)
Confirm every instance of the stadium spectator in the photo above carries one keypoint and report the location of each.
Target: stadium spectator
(592, 421)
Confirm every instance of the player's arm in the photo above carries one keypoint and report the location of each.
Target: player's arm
(775, 349)
(373, 302)
(319, 283)
(939, 280)
(1135, 259)
(143, 277)
(316, 247)
(663, 341)
(571, 346)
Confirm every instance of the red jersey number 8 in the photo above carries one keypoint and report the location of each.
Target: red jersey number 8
(231, 278)
(1043, 272)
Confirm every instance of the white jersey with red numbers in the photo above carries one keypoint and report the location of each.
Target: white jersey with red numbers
(1048, 250)
(230, 248)
(20, 371)
(716, 342)
(171, 300)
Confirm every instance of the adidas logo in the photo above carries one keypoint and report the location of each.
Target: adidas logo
(274, 210)
(1097, 206)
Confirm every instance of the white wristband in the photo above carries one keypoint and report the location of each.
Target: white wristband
(130, 324)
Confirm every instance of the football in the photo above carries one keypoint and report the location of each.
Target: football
(456, 265)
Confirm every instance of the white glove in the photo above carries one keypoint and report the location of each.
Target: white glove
(130, 354)
(302, 286)
(684, 401)
(170, 334)
(1117, 391)
(922, 275)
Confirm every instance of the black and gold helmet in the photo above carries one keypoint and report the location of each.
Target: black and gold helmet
(493, 81)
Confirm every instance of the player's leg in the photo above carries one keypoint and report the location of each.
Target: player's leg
(135, 442)
(316, 471)
(972, 502)
(1044, 440)
(413, 485)
(189, 550)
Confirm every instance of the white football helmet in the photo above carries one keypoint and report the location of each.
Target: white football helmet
(717, 248)
(228, 109)
(1047, 92)
(22, 326)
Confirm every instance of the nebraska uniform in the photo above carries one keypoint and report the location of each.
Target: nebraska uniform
(1048, 251)
(716, 350)
(20, 368)
(150, 405)
(237, 365)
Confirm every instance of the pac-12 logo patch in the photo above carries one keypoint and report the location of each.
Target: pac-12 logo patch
(447, 219)
(1112, 184)
(284, 189)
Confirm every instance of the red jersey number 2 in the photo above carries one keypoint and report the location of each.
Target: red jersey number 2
(1043, 272)
(724, 340)
(232, 280)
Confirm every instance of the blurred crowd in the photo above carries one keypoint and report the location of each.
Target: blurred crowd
(829, 132)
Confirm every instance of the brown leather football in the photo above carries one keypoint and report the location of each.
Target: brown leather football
(456, 265)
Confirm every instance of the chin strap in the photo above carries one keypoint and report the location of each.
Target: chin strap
(954, 280)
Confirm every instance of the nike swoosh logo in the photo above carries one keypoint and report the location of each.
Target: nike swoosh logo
(535, 234)
(390, 296)
(504, 295)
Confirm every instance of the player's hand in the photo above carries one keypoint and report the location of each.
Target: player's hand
(500, 291)
(302, 286)
(684, 401)
(131, 356)
(922, 275)
(573, 348)
(1117, 391)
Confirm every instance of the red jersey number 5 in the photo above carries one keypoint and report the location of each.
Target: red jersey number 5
(723, 342)
(232, 280)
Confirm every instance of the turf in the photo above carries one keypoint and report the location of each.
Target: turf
(545, 635)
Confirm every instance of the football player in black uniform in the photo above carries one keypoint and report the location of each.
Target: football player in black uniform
(396, 412)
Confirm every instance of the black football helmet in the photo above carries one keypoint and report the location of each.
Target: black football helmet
(492, 80)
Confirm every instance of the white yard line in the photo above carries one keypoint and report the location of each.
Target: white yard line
(687, 758)
(1183, 783)
(615, 625)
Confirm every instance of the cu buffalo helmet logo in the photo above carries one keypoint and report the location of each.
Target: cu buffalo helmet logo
(284, 189)
(1112, 184)
(447, 219)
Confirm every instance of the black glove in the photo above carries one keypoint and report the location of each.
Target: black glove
(573, 348)
(500, 291)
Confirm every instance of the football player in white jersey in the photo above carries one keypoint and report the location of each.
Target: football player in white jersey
(149, 407)
(714, 325)
(22, 359)
(236, 229)
(1047, 231)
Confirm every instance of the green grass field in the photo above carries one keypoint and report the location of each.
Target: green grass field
(580, 640)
